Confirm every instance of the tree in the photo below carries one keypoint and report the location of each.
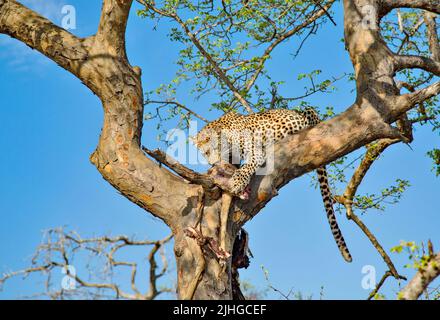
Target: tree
(181, 197)
(101, 258)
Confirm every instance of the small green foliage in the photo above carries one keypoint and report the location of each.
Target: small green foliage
(379, 296)
(389, 195)
(240, 38)
(416, 255)
(435, 156)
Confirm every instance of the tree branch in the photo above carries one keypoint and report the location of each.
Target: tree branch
(424, 276)
(379, 285)
(179, 105)
(417, 62)
(112, 26)
(280, 39)
(401, 104)
(181, 170)
(40, 34)
(346, 199)
(428, 5)
(58, 250)
(100, 62)
(221, 74)
(433, 39)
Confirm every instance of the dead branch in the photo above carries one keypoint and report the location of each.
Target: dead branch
(379, 285)
(59, 248)
(181, 170)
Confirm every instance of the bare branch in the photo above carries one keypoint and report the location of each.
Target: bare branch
(379, 285)
(188, 174)
(373, 152)
(179, 105)
(409, 34)
(59, 248)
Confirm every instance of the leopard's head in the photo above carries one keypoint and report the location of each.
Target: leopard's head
(207, 142)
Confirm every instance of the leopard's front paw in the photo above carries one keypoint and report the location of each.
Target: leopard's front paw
(236, 185)
(238, 189)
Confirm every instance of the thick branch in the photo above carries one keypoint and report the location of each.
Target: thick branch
(312, 148)
(401, 104)
(433, 39)
(112, 25)
(428, 5)
(417, 62)
(424, 276)
(40, 34)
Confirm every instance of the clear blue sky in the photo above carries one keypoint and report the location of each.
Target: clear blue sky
(51, 123)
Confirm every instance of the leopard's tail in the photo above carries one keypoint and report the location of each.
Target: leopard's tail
(328, 203)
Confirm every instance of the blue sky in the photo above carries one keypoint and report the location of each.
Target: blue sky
(51, 124)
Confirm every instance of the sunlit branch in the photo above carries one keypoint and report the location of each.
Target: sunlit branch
(373, 152)
(426, 273)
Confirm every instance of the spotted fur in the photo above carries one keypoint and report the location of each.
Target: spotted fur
(247, 137)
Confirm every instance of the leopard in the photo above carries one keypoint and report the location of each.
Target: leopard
(245, 139)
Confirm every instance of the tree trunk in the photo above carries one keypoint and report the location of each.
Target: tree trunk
(179, 198)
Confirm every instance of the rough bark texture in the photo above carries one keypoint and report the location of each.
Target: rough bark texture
(100, 62)
(424, 276)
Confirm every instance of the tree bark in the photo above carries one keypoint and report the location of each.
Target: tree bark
(101, 63)
(424, 276)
